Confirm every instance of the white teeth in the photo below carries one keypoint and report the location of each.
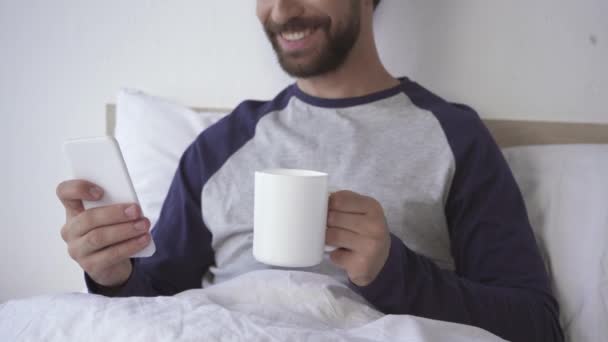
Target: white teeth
(293, 36)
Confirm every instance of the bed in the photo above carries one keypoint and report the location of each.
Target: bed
(560, 168)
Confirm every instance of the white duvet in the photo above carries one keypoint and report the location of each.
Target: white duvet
(269, 305)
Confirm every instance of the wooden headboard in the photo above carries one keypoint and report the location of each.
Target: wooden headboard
(507, 133)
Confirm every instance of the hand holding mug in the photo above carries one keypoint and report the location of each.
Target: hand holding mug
(357, 226)
(295, 222)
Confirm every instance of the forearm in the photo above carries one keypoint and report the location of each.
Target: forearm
(412, 284)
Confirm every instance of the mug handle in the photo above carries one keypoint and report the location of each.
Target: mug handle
(328, 248)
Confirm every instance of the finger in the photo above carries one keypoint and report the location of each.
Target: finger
(102, 216)
(341, 257)
(350, 221)
(343, 238)
(103, 237)
(348, 201)
(114, 254)
(72, 192)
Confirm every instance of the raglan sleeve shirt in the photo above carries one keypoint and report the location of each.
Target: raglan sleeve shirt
(184, 250)
(499, 284)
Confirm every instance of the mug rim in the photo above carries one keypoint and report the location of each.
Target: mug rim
(292, 172)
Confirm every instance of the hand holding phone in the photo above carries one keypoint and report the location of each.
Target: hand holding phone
(105, 226)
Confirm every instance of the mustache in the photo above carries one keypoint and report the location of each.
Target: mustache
(297, 24)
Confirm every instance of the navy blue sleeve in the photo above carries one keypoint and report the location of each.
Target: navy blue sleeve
(183, 243)
(500, 283)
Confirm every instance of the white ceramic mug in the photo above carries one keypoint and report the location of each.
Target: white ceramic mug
(290, 217)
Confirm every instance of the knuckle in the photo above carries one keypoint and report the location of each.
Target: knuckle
(86, 219)
(117, 253)
(64, 232)
(113, 253)
(113, 214)
(377, 207)
(95, 239)
(78, 219)
(349, 193)
(78, 185)
(59, 189)
(330, 218)
(373, 205)
(335, 200)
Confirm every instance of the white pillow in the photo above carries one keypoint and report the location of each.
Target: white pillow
(153, 133)
(565, 188)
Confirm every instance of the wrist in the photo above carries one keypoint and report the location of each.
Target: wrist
(114, 279)
(390, 275)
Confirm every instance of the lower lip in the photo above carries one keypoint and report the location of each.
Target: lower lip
(295, 45)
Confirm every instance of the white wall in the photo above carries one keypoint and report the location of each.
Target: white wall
(61, 61)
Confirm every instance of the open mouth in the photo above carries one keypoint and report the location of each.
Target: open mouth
(296, 40)
(293, 36)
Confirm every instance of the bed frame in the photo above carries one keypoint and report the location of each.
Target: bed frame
(507, 133)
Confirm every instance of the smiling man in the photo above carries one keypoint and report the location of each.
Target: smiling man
(430, 222)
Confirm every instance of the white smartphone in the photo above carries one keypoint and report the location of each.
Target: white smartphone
(99, 160)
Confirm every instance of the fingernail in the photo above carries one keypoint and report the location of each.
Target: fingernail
(144, 238)
(140, 225)
(95, 192)
(131, 212)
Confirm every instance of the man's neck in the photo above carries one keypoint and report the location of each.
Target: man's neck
(352, 79)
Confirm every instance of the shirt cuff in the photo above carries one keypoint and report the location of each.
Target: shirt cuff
(135, 285)
(390, 277)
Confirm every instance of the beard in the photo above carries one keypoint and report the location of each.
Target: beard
(326, 56)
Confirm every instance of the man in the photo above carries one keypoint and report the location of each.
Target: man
(431, 221)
